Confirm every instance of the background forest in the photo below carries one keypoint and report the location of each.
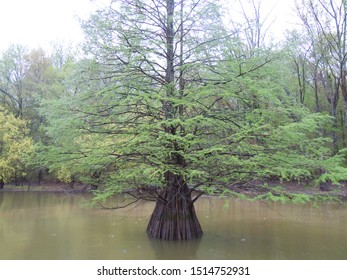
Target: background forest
(188, 95)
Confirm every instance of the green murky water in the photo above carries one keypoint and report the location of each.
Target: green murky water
(41, 225)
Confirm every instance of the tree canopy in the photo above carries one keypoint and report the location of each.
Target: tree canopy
(15, 147)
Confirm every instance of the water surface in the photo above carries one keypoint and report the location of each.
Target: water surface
(42, 225)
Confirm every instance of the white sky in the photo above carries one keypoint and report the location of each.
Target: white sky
(281, 15)
(35, 23)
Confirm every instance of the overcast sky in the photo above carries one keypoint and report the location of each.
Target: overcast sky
(39, 22)
(35, 23)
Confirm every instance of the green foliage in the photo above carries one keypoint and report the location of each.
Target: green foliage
(228, 115)
(297, 150)
(15, 146)
(224, 119)
(298, 198)
(335, 170)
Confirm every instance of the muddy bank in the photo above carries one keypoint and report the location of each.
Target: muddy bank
(252, 189)
(49, 187)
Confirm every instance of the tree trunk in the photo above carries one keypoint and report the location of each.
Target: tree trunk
(316, 95)
(343, 124)
(174, 216)
(2, 184)
(335, 128)
(344, 91)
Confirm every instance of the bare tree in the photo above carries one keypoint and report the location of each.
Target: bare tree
(13, 68)
(325, 22)
(254, 24)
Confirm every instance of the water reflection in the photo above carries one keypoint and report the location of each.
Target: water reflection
(175, 250)
(38, 225)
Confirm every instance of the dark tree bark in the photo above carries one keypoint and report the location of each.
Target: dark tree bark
(174, 216)
(2, 184)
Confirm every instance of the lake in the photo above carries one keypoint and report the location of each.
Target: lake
(56, 226)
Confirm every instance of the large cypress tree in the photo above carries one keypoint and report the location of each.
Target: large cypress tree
(168, 106)
(154, 55)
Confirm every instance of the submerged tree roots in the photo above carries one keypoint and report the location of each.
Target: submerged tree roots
(174, 216)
